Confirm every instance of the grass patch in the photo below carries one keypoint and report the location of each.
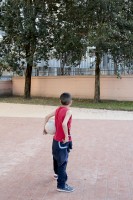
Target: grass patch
(81, 103)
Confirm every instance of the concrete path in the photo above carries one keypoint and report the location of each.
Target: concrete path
(39, 111)
(100, 166)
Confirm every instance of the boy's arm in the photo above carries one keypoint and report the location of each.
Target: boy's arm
(64, 125)
(46, 120)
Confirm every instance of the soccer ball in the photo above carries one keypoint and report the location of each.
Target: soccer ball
(50, 127)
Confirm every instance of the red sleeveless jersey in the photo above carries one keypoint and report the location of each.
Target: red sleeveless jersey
(60, 114)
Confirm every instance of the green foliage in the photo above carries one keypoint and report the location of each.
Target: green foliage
(69, 43)
(26, 26)
(107, 24)
(66, 28)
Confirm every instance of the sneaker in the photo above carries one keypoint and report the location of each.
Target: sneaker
(66, 189)
(55, 176)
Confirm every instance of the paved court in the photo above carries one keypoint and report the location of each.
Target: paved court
(100, 165)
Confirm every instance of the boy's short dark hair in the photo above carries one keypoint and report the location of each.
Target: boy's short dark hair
(65, 98)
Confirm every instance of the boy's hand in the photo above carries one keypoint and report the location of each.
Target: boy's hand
(66, 140)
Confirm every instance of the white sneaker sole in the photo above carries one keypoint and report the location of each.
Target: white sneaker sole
(60, 190)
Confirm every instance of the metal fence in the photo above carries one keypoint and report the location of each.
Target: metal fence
(5, 78)
(53, 71)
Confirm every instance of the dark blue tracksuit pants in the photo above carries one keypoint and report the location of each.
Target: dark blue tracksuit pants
(60, 153)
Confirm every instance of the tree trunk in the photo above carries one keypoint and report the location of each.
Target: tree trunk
(115, 68)
(63, 62)
(62, 69)
(97, 79)
(30, 49)
(28, 73)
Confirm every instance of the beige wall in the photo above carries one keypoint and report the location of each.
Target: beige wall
(5, 88)
(79, 86)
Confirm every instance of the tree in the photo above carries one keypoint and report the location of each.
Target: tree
(95, 23)
(27, 25)
(109, 29)
(99, 21)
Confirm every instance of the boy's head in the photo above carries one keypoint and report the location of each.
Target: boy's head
(66, 99)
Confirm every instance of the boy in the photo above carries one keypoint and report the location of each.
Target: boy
(62, 142)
